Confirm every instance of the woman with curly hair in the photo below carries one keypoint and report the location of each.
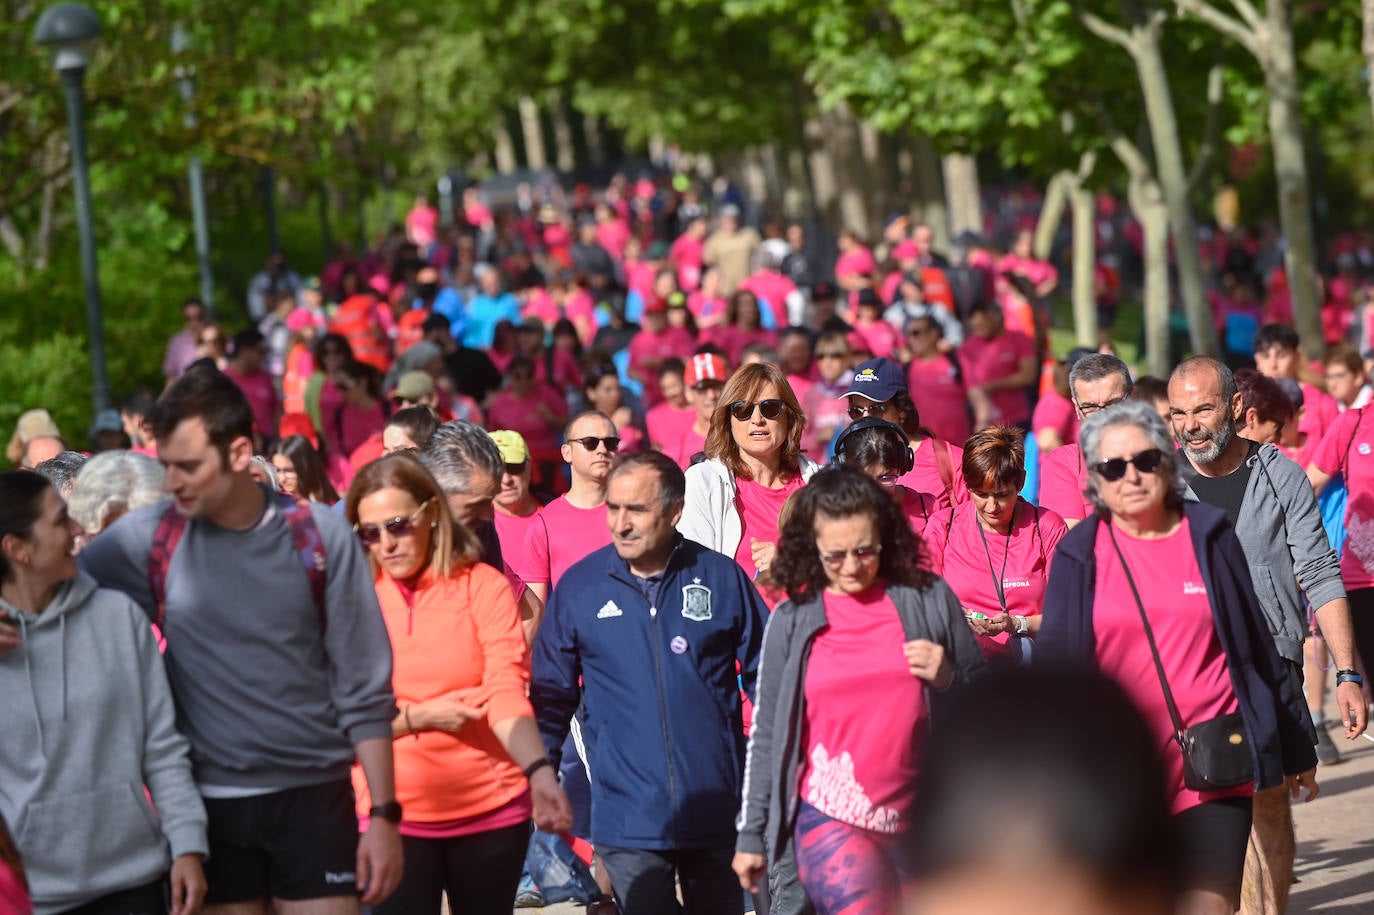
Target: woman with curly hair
(825, 780)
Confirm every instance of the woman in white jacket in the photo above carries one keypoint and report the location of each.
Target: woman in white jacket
(753, 463)
(89, 729)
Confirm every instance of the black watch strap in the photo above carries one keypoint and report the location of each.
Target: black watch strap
(391, 812)
(536, 766)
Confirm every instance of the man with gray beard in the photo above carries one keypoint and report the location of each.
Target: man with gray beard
(1279, 525)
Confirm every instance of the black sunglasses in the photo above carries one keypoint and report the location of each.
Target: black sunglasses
(371, 534)
(1146, 462)
(590, 442)
(858, 411)
(744, 411)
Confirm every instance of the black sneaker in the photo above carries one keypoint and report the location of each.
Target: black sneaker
(1327, 754)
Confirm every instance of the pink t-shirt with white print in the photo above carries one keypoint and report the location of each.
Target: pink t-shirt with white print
(1167, 573)
(861, 755)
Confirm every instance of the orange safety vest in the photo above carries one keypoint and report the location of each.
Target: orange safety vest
(356, 320)
(410, 329)
(300, 365)
(935, 287)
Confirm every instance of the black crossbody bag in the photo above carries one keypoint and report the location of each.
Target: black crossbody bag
(1216, 752)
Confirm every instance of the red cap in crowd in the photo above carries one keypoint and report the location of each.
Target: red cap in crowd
(705, 367)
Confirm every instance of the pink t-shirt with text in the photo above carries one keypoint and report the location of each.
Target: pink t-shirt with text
(1171, 586)
(861, 757)
(1063, 477)
(1020, 559)
(1348, 448)
(562, 535)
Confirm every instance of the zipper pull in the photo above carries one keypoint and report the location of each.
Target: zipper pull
(653, 612)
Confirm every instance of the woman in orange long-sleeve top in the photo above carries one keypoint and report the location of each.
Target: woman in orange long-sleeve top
(470, 766)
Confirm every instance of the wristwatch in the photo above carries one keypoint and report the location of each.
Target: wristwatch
(391, 812)
(1022, 625)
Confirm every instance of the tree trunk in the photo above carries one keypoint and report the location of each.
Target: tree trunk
(564, 154)
(961, 189)
(1173, 177)
(926, 169)
(1148, 205)
(1084, 262)
(503, 151)
(1368, 6)
(1290, 169)
(535, 157)
(13, 241)
(1052, 213)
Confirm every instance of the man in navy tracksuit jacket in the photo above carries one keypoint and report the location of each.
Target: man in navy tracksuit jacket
(654, 627)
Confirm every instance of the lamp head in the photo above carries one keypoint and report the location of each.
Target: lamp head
(69, 30)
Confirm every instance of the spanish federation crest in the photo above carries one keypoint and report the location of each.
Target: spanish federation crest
(696, 601)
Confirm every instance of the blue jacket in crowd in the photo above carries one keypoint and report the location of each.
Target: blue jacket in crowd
(657, 661)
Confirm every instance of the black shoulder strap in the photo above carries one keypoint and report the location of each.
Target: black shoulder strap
(1150, 637)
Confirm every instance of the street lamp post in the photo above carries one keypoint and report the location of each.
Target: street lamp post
(69, 30)
(186, 82)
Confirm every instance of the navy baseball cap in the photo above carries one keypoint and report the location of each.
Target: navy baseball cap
(878, 380)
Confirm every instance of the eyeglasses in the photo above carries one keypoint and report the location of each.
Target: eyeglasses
(743, 411)
(371, 534)
(887, 480)
(590, 442)
(858, 411)
(1088, 409)
(1114, 469)
(863, 554)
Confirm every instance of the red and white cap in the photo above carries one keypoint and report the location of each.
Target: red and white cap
(705, 367)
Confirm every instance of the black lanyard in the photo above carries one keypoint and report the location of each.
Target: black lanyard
(996, 579)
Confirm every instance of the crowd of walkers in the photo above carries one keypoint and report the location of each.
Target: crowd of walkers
(761, 584)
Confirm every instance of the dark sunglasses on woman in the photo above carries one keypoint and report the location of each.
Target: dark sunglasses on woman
(370, 534)
(744, 411)
(1114, 469)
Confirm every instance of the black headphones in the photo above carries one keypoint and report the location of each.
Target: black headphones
(873, 422)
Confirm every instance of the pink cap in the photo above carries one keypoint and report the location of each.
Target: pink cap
(299, 319)
(906, 250)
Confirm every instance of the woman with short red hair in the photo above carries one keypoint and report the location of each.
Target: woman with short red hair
(995, 550)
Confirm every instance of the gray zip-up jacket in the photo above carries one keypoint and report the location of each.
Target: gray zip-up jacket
(88, 724)
(1280, 530)
(775, 748)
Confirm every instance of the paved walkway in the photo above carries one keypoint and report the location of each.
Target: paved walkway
(1336, 838)
(1335, 864)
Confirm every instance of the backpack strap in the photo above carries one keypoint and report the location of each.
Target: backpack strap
(305, 538)
(166, 536)
(309, 544)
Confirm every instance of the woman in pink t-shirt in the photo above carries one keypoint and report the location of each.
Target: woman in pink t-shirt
(936, 382)
(536, 411)
(881, 451)
(741, 327)
(1149, 569)
(862, 619)
(995, 552)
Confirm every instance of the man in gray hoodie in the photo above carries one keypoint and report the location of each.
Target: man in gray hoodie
(1274, 511)
(281, 675)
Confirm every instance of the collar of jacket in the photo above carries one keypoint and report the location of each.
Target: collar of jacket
(620, 567)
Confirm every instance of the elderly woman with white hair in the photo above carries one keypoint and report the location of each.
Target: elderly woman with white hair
(1155, 591)
(112, 484)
